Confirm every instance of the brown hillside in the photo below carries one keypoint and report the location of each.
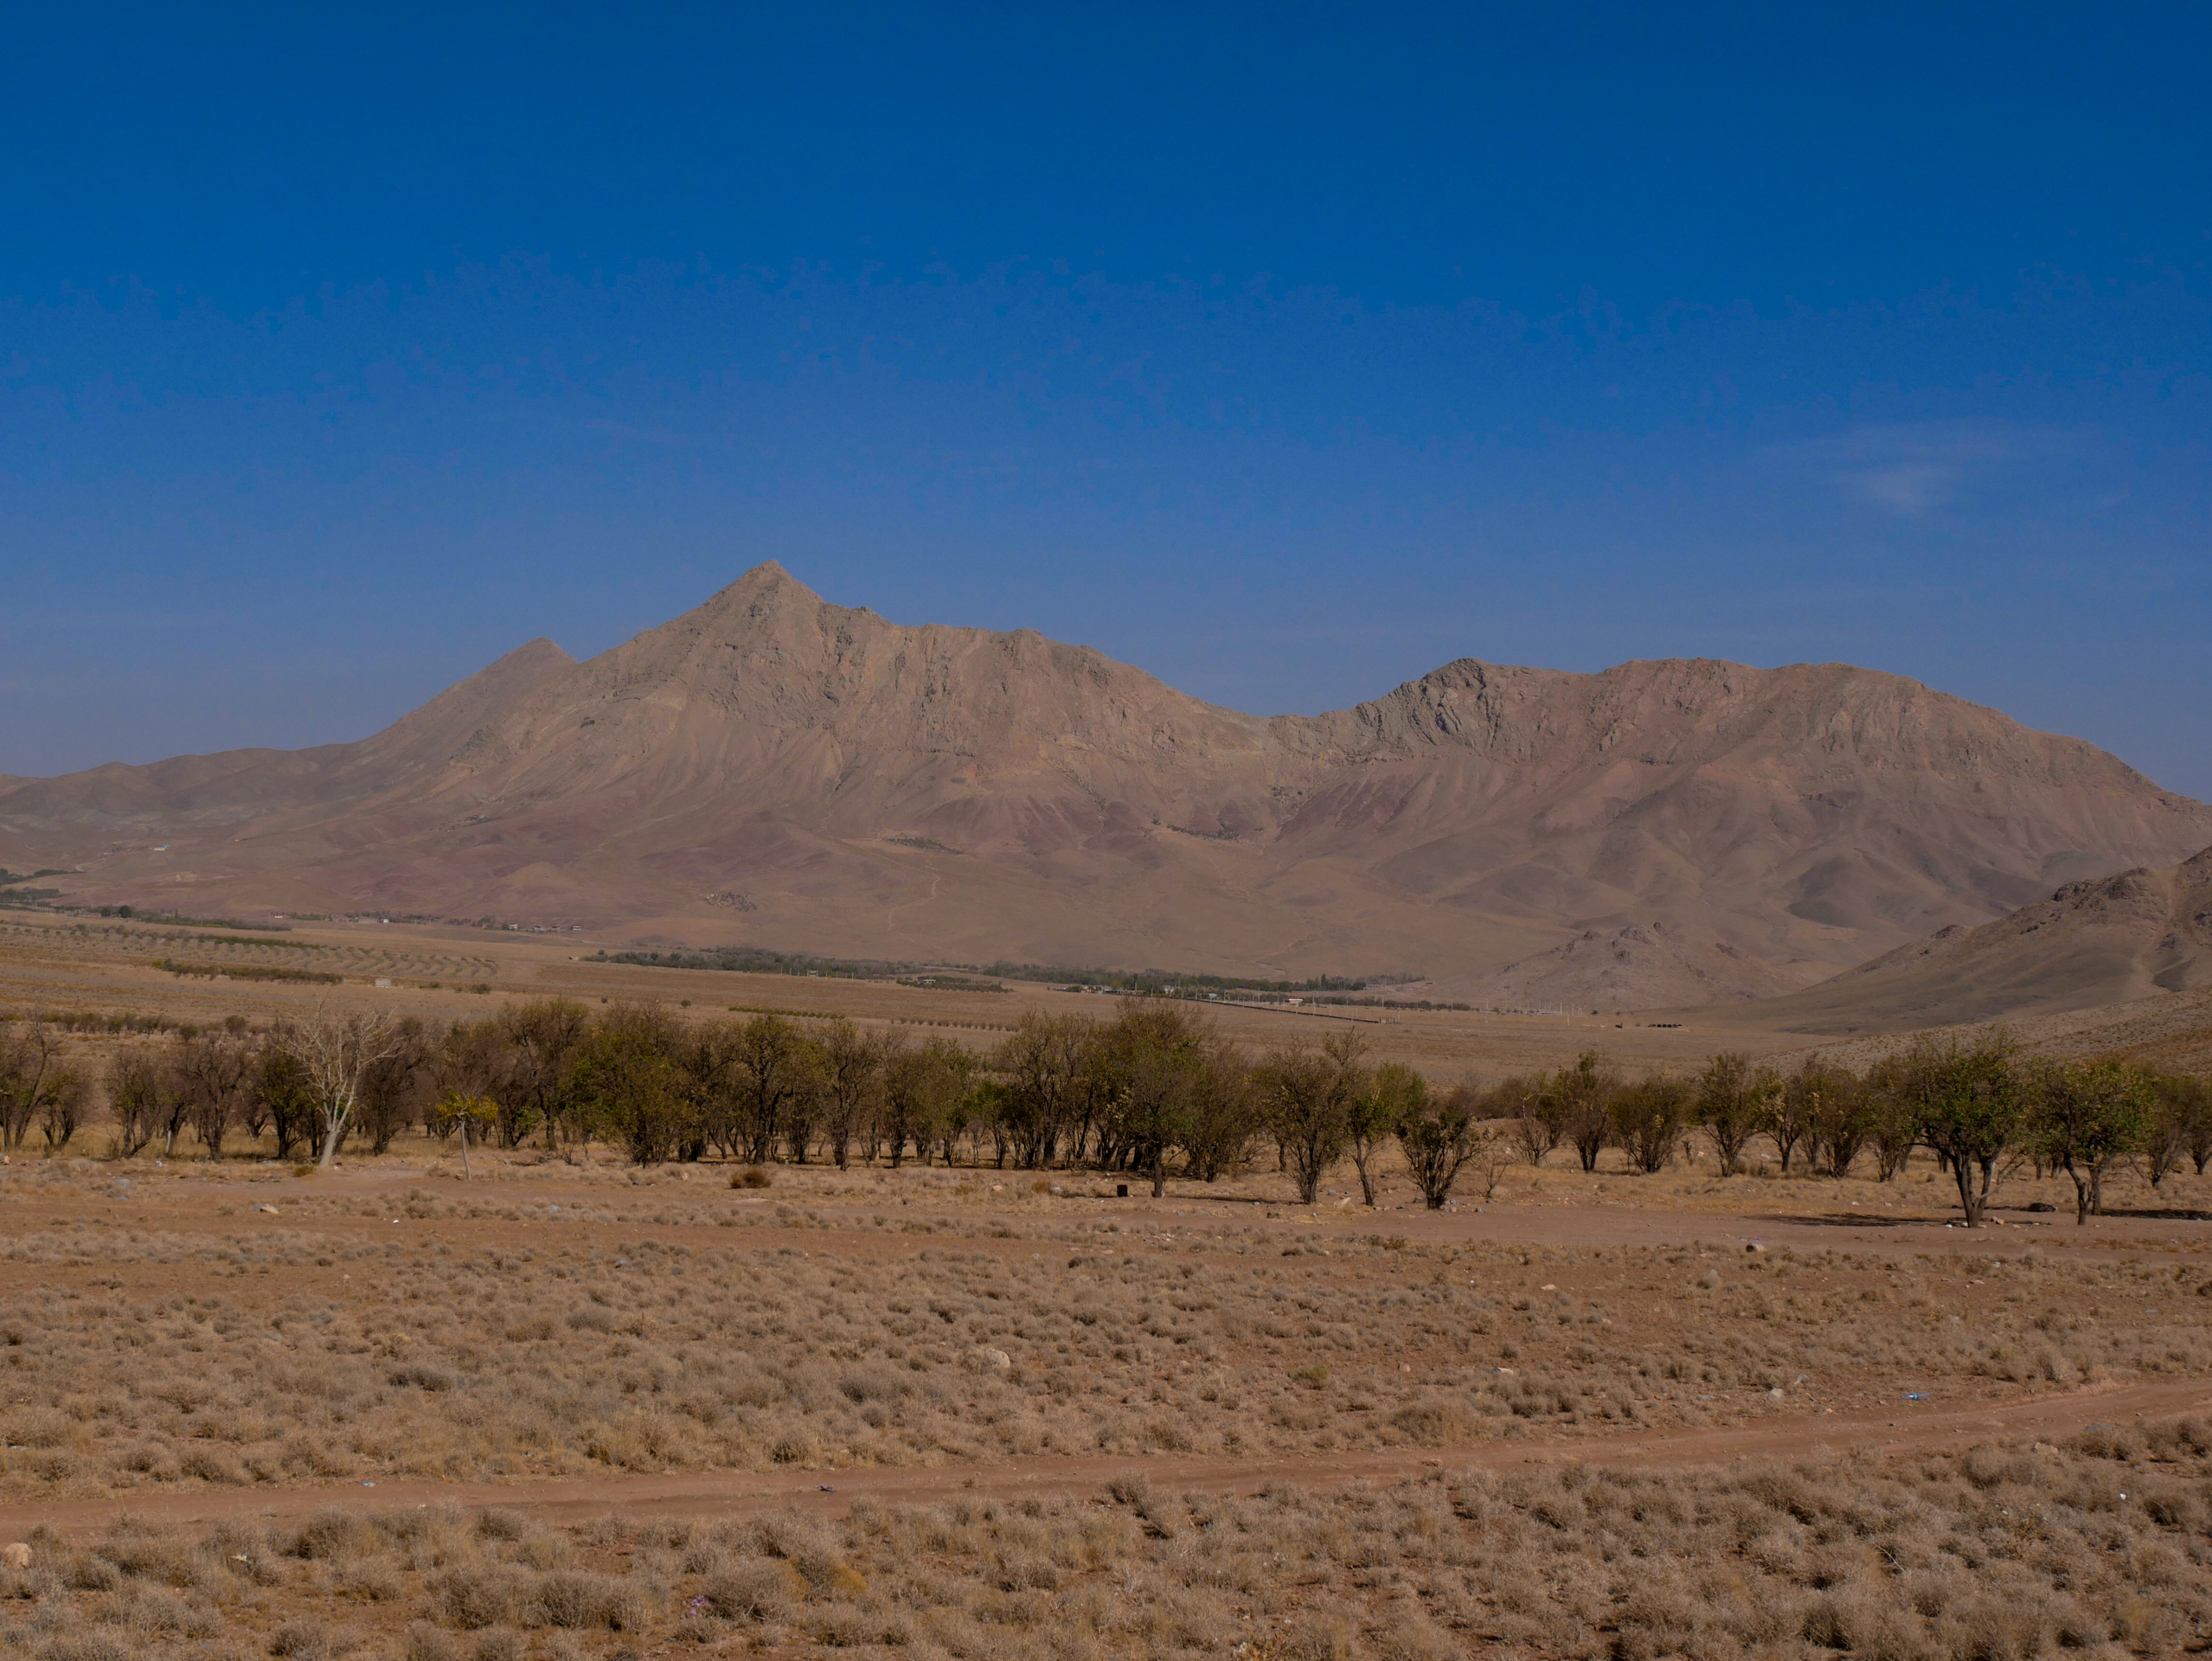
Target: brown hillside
(779, 769)
(2109, 940)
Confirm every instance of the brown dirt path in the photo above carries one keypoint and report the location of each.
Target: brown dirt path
(719, 1493)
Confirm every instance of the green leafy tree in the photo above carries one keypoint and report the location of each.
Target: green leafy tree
(1373, 1102)
(1789, 1114)
(1307, 1109)
(1042, 1065)
(1730, 1104)
(540, 1038)
(1154, 1057)
(628, 1081)
(1585, 1093)
(1535, 1109)
(283, 1091)
(1442, 1135)
(1837, 1120)
(922, 1091)
(2088, 1117)
(1892, 1123)
(2181, 1127)
(1649, 1117)
(454, 1112)
(776, 1075)
(1972, 1103)
(1224, 1113)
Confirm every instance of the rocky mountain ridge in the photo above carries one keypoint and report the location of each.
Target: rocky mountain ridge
(773, 768)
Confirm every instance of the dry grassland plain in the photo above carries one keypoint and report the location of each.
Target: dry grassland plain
(563, 1409)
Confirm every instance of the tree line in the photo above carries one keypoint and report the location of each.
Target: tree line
(1977, 1105)
(1157, 1089)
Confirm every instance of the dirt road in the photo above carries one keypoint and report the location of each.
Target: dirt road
(716, 1494)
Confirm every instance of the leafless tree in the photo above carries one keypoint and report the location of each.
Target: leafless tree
(29, 1064)
(139, 1086)
(214, 1080)
(334, 1050)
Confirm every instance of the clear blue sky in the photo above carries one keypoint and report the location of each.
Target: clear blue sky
(1287, 352)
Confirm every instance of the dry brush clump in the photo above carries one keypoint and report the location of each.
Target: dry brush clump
(1996, 1553)
(277, 1357)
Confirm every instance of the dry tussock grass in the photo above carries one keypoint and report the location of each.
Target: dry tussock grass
(2103, 1547)
(283, 1355)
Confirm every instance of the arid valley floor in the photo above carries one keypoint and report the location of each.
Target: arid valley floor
(558, 1406)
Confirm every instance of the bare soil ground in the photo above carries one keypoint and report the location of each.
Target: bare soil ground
(568, 1409)
(852, 1352)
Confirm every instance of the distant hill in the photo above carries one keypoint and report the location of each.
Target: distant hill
(773, 770)
(1640, 966)
(2110, 940)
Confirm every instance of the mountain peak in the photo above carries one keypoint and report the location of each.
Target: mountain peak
(766, 583)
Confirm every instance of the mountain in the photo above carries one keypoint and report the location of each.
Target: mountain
(2113, 939)
(774, 769)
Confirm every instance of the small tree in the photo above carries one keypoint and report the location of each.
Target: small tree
(1585, 1093)
(2166, 1145)
(1043, 1064)
(283, 1092)
(1893, 1122)
(1837, 1118)
(2181, 1127)
(455, 1112)
(774, 1067)
(1306, 1109)
(1440, 1138)
(395, 1089)
(138, 1083)
(334, 1050)
(852, 1077)
(1376, 1101)
(923, 1089)
(1224, 1115)
(1970, 1104)
(214, 1080)
(1790, 1113)
(1535, 1111)
(540, 1037)
(38, 1086)
(62, 1104)
(1152, 1062)
(2088, 1117)
(1648, 1117)
(1730, 1100)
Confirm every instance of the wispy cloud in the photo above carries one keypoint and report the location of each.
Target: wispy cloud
(1914, 468)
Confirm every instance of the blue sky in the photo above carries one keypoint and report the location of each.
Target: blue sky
(1286, 352)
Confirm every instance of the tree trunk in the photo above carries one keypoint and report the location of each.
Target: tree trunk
(1970, 1203)
(330, 1141)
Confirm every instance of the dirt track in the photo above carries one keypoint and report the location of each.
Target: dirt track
(1906, 1425)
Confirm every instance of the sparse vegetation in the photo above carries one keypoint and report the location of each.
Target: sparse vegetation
(248, 971)
(1993, 1550)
